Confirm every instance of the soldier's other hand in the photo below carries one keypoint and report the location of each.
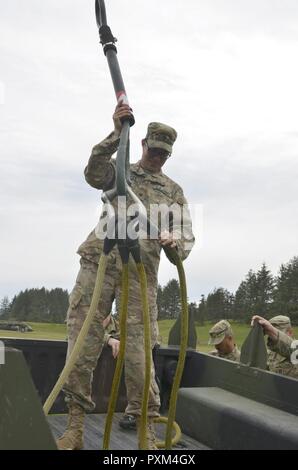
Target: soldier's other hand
(269, 329)
(121, 112)
(115, 345)
(167, 239)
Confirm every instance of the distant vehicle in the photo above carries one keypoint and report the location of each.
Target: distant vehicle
(15, 326)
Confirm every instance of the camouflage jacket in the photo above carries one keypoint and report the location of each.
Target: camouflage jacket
(279, 356)
(150, 188)
(233, 356)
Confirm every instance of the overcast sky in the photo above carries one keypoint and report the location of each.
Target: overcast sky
(223, 73)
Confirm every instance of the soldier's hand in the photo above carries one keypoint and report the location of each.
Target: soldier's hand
(269, 329)
(167, 239)
(115, 345)
(122, 111)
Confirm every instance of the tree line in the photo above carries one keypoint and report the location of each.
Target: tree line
(36, 305)
(260, 292)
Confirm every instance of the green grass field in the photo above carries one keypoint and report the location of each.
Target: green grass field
(240, 331)
(58, 332)
(40, 331)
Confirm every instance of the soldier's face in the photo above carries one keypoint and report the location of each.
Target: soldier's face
(226, 346)
(153, 159)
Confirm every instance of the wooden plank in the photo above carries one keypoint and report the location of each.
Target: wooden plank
(120, 439)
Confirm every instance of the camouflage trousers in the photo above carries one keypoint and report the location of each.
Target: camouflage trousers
(78, 387)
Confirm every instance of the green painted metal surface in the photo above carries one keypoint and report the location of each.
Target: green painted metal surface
(23, 425)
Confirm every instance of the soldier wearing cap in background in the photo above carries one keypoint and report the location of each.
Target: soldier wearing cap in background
(221, 336)
(277, 363)
(278, 341)
(151, 186)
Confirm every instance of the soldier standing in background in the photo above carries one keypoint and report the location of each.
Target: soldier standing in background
(279, 342)
(277, 363)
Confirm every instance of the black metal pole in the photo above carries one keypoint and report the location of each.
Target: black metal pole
(108, 41)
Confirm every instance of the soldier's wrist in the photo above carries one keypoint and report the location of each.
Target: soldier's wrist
(117, 133)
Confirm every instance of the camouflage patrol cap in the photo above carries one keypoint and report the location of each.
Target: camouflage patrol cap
(161, 136)
(281, 322)
(219, 331)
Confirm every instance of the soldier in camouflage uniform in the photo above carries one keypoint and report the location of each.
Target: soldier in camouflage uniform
(280, 343)
(221, 336)
(151, 185)
(276, 362)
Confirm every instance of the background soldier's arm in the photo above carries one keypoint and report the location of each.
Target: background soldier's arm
(112, 331)
(281, 345)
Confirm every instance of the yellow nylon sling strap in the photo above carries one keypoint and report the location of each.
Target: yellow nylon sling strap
(148, 357)
(81, 337)
(120, 359)
(176, 428)
(182, 352)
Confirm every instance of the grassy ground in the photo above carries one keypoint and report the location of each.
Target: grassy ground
(240, 331)
(40, 331)
(58, 332)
